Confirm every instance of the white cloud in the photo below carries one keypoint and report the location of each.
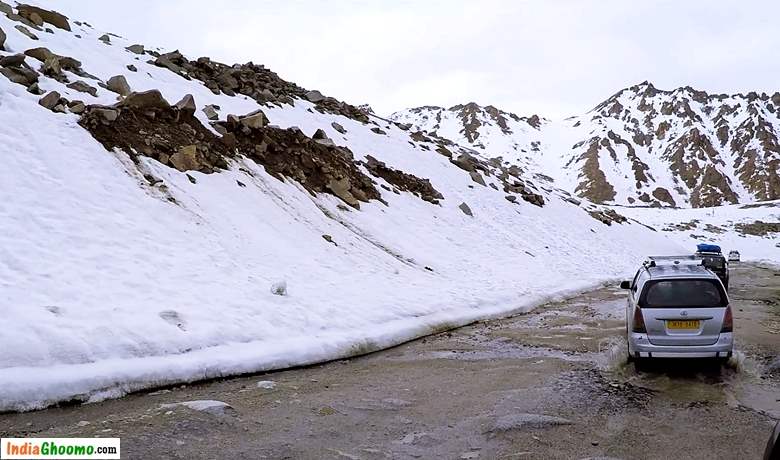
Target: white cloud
(554, 58)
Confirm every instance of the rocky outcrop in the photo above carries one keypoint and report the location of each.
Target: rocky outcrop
(254, 81)
(51, 17)
(119, 85)
(403, 181)
(146, 124)
(289, 153)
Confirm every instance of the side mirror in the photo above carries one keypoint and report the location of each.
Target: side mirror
(625, 285)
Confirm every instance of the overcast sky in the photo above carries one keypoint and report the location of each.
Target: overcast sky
(551, 57)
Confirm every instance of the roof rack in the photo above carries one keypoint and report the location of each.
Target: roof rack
(654, 261)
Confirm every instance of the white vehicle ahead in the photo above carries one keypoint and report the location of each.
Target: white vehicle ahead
(733, 256)
(677, 309)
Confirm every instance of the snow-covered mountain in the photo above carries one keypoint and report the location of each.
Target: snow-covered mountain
(642, 146)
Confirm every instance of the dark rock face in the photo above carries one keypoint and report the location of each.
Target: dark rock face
(52, 17)
(290, 153)
(404, 181)
(145, 124)
(254, 81)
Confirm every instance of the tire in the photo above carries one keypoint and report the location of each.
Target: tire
(641, 364)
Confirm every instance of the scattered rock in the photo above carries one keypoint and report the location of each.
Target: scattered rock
(83, 87)
(35, 19)
(106, 114)
(404, 181)
(151, 99)
(2, 39)
(254, 120)
(314, 96)
(51, 17)
(119, 85)
(77, 108)
(105, 39)
(35, 89)
(14, 60)
(187, 158)
(211, 112)
(132, 68)
(279, 288)
(338, 128)
(341, 188)
(466, 209)
(26, 31)
(51, 68)
(528, 421)
(20, 75)
(5, 8)
(511, 198)
(50, 100)
(137, 49)
(378, 130)
(217, 408)
(42, 54)
(477, 177)
(329, 239)
(266, 384)
(186, 105)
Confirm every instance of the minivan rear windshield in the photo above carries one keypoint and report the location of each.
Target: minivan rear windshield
(683, 293)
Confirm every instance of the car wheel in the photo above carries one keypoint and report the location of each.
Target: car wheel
(640, 364)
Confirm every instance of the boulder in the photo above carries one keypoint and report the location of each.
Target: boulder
(105, 39)
(211, 112)
(107, 114)
(186, 105)
(35, 89)
(119, 85)
(14, 60)
(2, 40)
(137, 49)
(26, 31)
(151, 99)
(254, 120)
(77, 108)
(338, 128)
(82, 87)
(466, 209)
(132, 68)
(51, 67)
(477, 177)
(72, 64)
(5, 8)
(187, 158)
(35, 19)
(20, 75)
(314, 96)
(50, 100)
(511, 198)
(341, 188)
(51, 17)
(40, 53)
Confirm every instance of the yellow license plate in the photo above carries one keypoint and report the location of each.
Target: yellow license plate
(690, 324)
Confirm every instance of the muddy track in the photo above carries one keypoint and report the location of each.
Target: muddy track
(552, 383)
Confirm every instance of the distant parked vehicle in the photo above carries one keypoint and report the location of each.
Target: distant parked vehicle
(677, 308)
(733, 256)
(713, 259)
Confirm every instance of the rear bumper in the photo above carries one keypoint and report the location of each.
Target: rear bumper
(640, 347)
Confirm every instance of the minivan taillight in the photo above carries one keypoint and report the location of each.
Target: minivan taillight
(728, 321)
(639, 321)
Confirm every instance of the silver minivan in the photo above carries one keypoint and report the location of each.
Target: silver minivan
(677, 308)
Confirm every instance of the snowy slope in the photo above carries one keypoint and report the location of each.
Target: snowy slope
(642, 146)
(110, 284)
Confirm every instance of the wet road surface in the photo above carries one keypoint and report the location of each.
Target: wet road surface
(552, 383)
